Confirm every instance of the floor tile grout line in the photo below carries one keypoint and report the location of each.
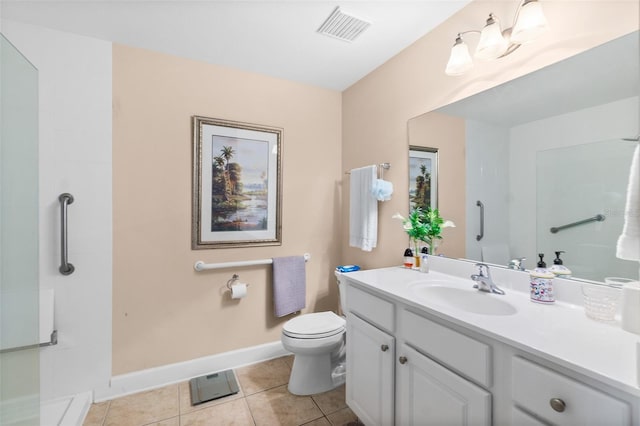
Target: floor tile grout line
(244, 396)
(106, 413)
(271, 360)
(177, 403)
(331, 409)
(250, 411)
(319, 409)
(266, 389)
(255, 423)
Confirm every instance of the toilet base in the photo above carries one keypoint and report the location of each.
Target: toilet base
(311, 374)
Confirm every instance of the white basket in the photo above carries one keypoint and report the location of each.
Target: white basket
(601, 302)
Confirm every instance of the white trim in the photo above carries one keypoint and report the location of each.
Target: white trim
(138, 381)
(66, 411)
(20, 409)
(77, 411)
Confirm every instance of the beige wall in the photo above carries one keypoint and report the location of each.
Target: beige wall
(447, 135)
(164, 311)
(376, 109)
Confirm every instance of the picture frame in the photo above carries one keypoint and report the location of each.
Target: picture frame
(237, 184)
(423, 177)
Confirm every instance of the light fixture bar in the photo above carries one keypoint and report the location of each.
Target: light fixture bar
(529, 24)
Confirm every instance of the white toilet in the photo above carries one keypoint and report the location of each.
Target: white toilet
(317, 341)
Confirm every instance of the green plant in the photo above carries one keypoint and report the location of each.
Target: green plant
(424, 225)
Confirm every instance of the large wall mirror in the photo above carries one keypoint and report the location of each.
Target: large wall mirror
(550, 149)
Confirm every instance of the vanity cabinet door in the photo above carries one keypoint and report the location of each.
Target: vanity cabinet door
(370, 380)
(430, 394)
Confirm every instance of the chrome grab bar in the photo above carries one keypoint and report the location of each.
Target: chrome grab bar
(481, 234)
(66, 268)
(596, 218)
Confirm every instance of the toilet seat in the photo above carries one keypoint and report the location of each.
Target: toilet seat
(314, 326)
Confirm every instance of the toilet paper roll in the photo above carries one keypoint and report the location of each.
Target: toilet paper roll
(630, 311)
(238, 290)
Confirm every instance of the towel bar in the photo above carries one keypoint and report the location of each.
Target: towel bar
(381, 168)
(201, 266)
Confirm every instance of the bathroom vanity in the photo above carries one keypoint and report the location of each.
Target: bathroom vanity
(427, 348)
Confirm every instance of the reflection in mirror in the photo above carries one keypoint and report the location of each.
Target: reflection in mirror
(423, 178)
(577, 183)
(547, 150)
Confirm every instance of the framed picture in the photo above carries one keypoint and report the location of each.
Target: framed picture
(423, 177)
(236, 184)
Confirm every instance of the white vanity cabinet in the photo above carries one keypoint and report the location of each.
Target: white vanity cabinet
(408, 366)
(388, 385)
(428, 391)
(371, 352)
(430, 394)
(370, 377)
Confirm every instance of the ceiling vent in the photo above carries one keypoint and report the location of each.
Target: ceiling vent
(342, 26)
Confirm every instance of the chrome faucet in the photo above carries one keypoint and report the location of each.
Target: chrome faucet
(484, 282)
(517, 263)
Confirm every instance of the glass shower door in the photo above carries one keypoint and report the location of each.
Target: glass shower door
(19, 286)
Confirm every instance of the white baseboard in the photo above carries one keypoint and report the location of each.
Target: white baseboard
(152, 378)
(20, 410)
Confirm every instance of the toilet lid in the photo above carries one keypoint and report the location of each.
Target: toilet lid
(314, 326)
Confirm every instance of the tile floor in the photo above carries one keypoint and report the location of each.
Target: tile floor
(263, 400)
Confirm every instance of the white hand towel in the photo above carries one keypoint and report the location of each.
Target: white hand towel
(382, 190)
(628, 247)
(363, 209)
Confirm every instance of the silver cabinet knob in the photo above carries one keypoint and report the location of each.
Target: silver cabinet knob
(557, 404)
(384, 348)
(403, 360)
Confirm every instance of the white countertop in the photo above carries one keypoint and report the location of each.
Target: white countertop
(559, 332)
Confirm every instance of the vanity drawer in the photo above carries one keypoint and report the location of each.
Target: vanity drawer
(372, 308)
(561, 400)
(520, 418)
(464, 354)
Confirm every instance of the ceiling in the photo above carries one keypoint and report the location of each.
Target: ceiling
(604, 74)
(276, 38)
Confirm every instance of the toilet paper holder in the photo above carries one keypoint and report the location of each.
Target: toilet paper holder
(232, 281)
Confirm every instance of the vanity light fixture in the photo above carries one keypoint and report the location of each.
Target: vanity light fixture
(529, 24)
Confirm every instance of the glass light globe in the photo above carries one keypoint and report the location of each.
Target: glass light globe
(531, 23)
(492, 44)
(460, 60)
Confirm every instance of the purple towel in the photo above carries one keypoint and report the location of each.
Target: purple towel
(289, 285)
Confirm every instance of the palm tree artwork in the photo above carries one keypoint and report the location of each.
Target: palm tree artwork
(420, 195)
(239, 194)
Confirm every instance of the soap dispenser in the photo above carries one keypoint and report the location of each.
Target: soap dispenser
(408, 258)
(424, 259)
(558, 269)
(541, 280)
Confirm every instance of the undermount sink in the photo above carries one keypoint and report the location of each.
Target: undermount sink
(470, 300)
